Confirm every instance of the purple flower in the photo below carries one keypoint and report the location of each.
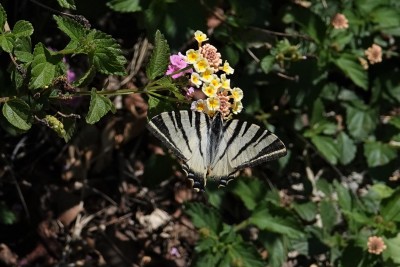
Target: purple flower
(71, 75)
(189, 92)
(177, 62)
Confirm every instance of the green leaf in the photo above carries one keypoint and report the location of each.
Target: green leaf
(350, 65)
(70, 27)
(99, 106)
(378, 153)
(204, 217)
(249, 191)
(347, 148)
(107, 55)
(393, 248)
(69, 4)
(380, 191)
(18, 113)
(327, 147)
(360, 122)
(125, 5)
(306, 211)
(390, 207)
(386, 17)
(344, 197)
(276, 247)
(157, 105)
(23, 50)
(6, 215)
(244, 254)
(159, 59)
(318, 112)
(267, 63)
(395, 121)
(22, 28)
(265, 221)
(7, 41)
(310, 22)
(328, 214)
(3, 18)
(43, 67)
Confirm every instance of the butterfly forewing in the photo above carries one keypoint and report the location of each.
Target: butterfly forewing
(185, 134)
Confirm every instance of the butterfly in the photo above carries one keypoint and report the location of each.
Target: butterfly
(211, 148)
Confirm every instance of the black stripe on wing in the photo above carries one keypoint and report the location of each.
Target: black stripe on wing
(157, 125)
(273, 151)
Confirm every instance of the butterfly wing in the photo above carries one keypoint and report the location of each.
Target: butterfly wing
(185, 134)
(244, 145)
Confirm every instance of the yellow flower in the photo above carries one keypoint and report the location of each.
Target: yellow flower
(192, 56)
(198, 105)
(200, 37)
(227, 69)
(226, 83)
(201, 65)
(207, 75)
(209, 90)
(237, 107)
(215, 81)
(213, 103)
(237, 94)
(195, 79)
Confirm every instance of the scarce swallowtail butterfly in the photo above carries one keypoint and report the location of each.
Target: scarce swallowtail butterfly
(212, 148)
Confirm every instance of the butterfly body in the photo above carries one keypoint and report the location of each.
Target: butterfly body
(212, 148)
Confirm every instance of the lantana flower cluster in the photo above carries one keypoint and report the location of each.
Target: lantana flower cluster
(210, 75)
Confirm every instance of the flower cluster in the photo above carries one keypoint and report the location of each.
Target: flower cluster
(339, 21)
(209, 74)
(376, 245)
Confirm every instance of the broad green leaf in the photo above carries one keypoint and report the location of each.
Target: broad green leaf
(266, 63)
(43, 67)
(328, 214)
(347, 148)
(86, 78)
(69, 4)
(7, 41)
(392, 249)
(204, 217)
(99, 106)
(22, 28)
(327, 147)
(386, 17)
(207, 259)
(360, 122)
(244, 254)
(125, 5)
(390, 207)
(70, 27)
(344, 197)
(265, 221)
(307, 211)
(380, 191)
(18, 113)
(159, 59)
(378, 153)
(106, 54)
(23, 50)
(249, 191)
(276, 247)
(3, 18)
(350, 65)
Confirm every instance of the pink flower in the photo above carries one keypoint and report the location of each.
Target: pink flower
(177, 62)
(190, 92)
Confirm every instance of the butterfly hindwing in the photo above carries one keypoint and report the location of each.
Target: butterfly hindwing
(244, 145)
